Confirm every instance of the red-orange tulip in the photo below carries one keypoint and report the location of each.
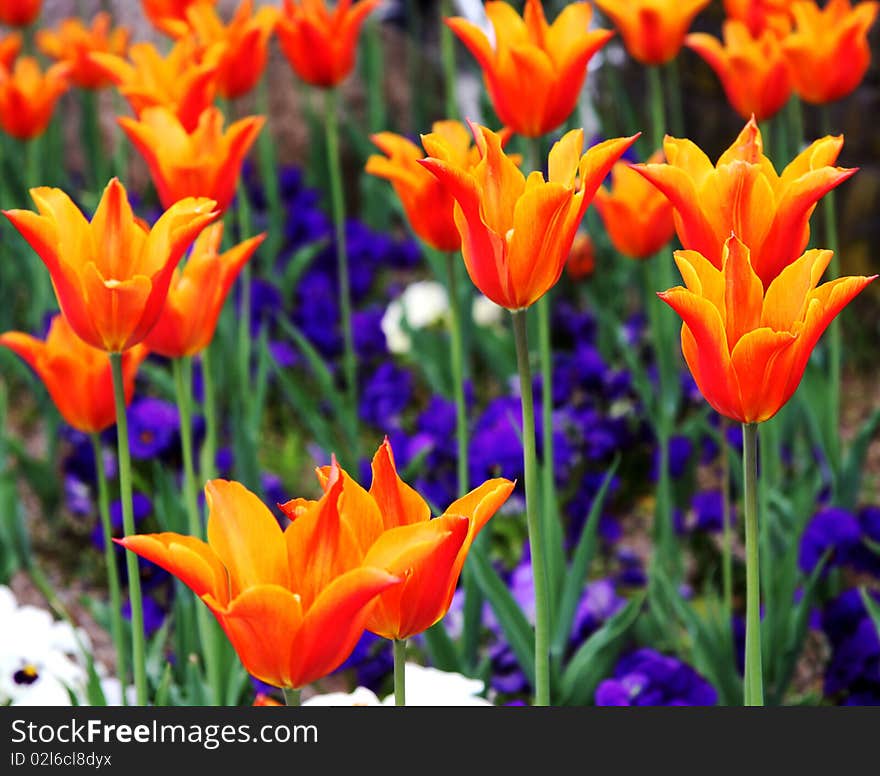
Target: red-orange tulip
(203, 162)
(760, 15)
(320, 43)
(76, 375)
(747, 347)
(73, 43)
(636, 214)
(516, 232)
(534, 71)
(10, 48)
(19, 13)
(392, 525)
(110, 275)
(28, 96)
(581, 262)
(653, 30)
(752, 70)
(744, 194)
(164, 13)
(196, 294)
(828, 52)
(293, 603)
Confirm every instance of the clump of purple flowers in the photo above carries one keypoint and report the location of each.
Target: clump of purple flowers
(646, 677)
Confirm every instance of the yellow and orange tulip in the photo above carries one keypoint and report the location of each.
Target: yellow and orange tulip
(77, 376)
(19, 13)
(10, 48)
(636, 214)
(110, 275)
(747, 346)
(745, 195)
(517, 232)
(165, 14)
(197, 293)
(653, 30)
(828, 52)
(760, 15)
(321, 43)
(202, 162)
(28, 96)
(534, 71)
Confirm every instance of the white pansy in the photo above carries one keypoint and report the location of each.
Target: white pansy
(359, 697)
(432, 687)
(485, 312)
(421, 304)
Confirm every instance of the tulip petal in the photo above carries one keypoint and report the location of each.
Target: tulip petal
(398, 503)
(753, 360)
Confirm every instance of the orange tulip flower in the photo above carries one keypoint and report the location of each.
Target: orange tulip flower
(19, 13)
(747, 347)
(392, 526)
(203, 162)
(76, 375)
(110, 276)
(293, 603)
(535, 71)
(10, 48)
(828, 52)
(760, 15)
(196, 294)
(516, 232)
(636, 214)
(185, 81)
(744, 194)
(73, 42)
(321, 44)
(163, 14)
(653, 30)
(28, 96)
(245, 42)
(752, 70)
(581, 262)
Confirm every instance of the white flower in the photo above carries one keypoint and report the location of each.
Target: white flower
(421, 304)
(360, 697)
(485, 312)
(433, 687)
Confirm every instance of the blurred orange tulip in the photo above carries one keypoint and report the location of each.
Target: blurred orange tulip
(828, 52)
(73, 42)
(197, 293)
(76, 375)
(10, 48)
(164, 13)
(392, 525)
(517, 232)
(745, 195)
(752, 70)
(581, 262)
(293, 603)
(202, 162)
(534, 71)
(747, 347)
(636, 214)
(320, 43)
(28, 96)
(653, 30)
(19, 13)
(760, 15)
(111, 276)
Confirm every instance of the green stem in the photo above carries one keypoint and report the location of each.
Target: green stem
(291, 696)
(536, 539)
(673, 89)
(96, 158)
(244, 321)
(338, 201)
(754, 683)
(655, 98)
(113, 584)
(134, 580)
(400, 672)
(727, 535)
(268, 161)
(456, 355)
(447, 54)
(208, 458)
(374, 76)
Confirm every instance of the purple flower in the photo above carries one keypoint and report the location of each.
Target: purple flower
(77, 496)
(369, 339)
(495, 447)
(648, 678)
(830, 529)
(153, 426)
(598, 604)
(385, 395)
(707, 512)
(154, 614)
(142, 508)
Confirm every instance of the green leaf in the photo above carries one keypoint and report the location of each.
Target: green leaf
(163, 690)
(848, 483)
(442, 650)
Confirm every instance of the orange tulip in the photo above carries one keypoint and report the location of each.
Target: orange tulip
(73, 42)
(636, 214)
(535, 71)
(245, 42)
(653, 30)
(747, 347)
(293, 603)
(10, 48)
(28, 96)
(184, 82)
(19, 13)
(581, 262)
(752, 70)
(760, 15)
(196, 294)
(392, 525)
(110, 276)
(516, 232)
(203, 162)
(828, 52)
(321, 44)
(744, 194)
(76, 375)
(164, 13)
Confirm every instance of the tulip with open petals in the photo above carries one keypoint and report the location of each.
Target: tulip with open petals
(534, 71)
(745, 195)
(10, 48)
(19, 13)
(28, 96)
(516, 232)
(110, 275)
(76, 375)
(760, 15)
(747, 346)
(165, 13)
(203, 162)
